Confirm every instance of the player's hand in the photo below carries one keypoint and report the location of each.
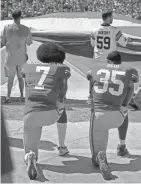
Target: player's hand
(124, 110)
(6, 70)
(129, 39)
(89, 101)
(26, 57)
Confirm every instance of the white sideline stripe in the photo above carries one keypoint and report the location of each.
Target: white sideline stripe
(81, 151)
(75, 69)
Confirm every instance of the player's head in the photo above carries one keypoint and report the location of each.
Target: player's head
(114, 58)
(16, 14)
(51, 52)
(107, 17)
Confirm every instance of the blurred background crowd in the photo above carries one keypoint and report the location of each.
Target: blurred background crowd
(32, 8)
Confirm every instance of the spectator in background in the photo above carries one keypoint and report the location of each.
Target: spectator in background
(126, 7)
(15, 37)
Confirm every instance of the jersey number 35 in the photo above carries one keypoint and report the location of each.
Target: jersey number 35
(112, 76)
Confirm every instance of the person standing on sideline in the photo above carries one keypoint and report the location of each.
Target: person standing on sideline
(106, 37)
(15, 37)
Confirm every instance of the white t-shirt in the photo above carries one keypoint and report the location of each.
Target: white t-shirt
(15, 37)
(105, 39)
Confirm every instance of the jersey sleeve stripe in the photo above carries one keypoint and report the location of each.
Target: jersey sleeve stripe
(119, 34)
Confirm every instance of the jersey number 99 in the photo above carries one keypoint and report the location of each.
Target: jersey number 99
(105, 80)
(103, 42)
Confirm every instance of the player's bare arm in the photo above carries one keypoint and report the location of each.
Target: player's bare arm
(29, 38)
(129, 94)
(92, 39)
(63, 90)
(3, 38)
(134, 79)
(91, 83)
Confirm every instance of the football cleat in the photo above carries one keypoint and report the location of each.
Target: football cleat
(31, 165)
(122, 150)
(103, 166)
(63, 150)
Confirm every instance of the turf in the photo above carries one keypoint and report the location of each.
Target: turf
(75, 113)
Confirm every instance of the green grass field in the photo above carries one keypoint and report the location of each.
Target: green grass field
(74, 113)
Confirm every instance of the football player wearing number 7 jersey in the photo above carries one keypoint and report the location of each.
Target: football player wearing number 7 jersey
(112, 87)
(106, 37)
(45, 91)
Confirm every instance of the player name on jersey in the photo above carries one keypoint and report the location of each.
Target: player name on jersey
(104, 32)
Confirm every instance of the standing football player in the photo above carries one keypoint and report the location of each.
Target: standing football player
(46, 87)
(104, 40)
(112, 87)
(106, 37)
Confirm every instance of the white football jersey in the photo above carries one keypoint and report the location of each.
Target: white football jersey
(105, 39)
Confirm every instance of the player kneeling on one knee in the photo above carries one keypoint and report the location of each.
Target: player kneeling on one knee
(46, 87)
(111, 89)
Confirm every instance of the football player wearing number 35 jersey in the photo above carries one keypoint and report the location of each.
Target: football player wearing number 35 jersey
(112, 87)
(45, 91)
(106, 37)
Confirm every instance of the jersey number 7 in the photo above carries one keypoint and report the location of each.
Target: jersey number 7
(105, 80)
(43, 76)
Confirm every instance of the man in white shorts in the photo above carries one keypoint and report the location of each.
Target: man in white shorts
(15, 37)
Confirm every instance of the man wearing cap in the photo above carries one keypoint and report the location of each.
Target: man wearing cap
(15, 37)
(112, 87)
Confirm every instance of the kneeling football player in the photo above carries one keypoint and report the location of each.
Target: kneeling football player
(45, 91)
(112, 87)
